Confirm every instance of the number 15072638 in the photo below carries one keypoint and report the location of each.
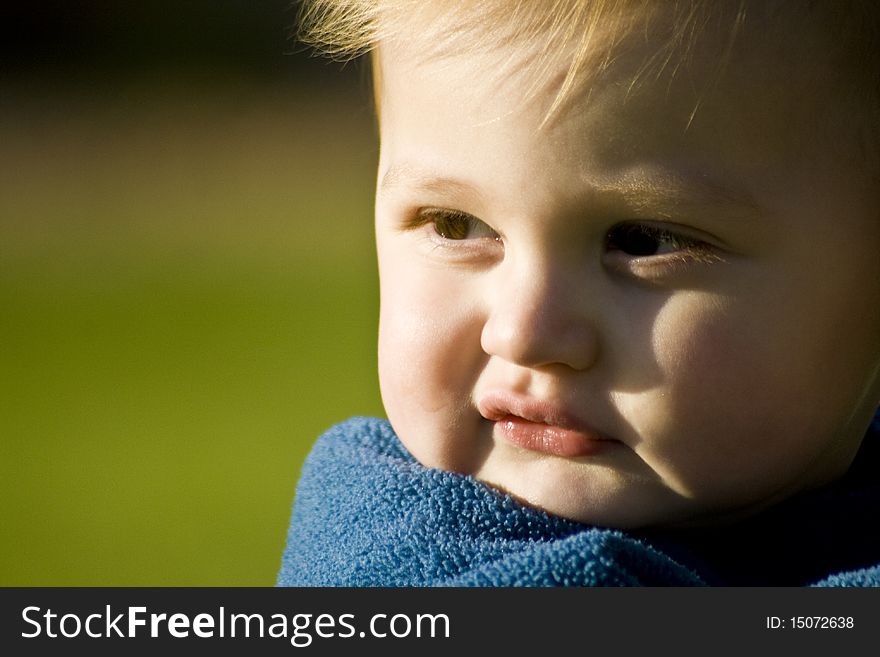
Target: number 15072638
(810, 623)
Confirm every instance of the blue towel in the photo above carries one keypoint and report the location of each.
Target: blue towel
(367, 514)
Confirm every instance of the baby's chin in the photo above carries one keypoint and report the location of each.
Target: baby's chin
(607, 502)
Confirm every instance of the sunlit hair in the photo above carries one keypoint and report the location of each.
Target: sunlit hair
(586, 34)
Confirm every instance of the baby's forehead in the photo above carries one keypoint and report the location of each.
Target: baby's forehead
(568, 45)
(774, 56)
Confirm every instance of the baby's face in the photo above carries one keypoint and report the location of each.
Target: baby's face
(636, 314)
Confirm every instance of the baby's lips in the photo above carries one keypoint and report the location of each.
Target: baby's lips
(498, 405)
(549, 439)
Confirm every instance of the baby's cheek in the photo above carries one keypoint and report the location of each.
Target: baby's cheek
(425, 346)
(429, 361)
(718, 416)
(698, 351)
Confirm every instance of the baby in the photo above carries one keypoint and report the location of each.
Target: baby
(630, 298)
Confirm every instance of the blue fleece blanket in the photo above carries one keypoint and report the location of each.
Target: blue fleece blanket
(367, 514)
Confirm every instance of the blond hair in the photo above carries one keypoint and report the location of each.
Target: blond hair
(587, 33)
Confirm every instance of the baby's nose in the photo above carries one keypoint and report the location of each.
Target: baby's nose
(538, 317)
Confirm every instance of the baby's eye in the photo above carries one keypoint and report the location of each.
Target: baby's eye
(643, 240)
(649, 251)
(455, 225)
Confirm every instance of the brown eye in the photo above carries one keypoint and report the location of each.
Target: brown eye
(453, 226)
(456, 226)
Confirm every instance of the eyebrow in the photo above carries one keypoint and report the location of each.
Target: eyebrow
(406, 175)
(645, 190)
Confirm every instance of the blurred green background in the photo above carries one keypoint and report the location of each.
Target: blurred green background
(188, 290)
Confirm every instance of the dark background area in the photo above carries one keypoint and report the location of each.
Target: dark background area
(102, 39)
(188, 293)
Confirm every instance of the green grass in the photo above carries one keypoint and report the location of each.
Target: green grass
(188, 296)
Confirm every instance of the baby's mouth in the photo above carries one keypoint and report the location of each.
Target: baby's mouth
(540, 426)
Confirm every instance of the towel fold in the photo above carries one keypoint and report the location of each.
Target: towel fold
(367, 514)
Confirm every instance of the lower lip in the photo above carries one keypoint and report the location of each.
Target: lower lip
(547, 439)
